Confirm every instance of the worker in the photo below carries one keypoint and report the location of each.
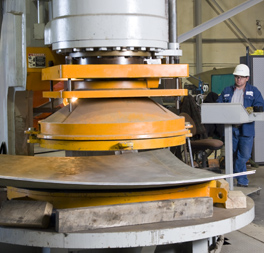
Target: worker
(249, 96)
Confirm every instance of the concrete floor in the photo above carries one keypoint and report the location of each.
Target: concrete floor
(251, 237)
(257, 179)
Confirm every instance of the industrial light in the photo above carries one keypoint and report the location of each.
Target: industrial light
(73, 99)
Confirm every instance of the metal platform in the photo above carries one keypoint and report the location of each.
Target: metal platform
(197, 231)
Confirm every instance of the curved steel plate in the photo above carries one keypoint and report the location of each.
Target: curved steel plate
(151, 169)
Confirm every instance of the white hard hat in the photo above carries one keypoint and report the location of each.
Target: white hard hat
(241, 70)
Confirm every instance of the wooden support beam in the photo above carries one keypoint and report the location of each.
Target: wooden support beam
(236, 199)
(222, 183)
(25, 213)
(81, 219)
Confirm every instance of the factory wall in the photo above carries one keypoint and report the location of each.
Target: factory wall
(221, 46)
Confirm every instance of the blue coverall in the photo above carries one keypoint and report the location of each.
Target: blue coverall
(244, 134)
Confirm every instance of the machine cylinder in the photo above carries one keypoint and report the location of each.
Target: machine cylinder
(88, 24)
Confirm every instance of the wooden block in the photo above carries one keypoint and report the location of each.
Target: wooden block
(80, 219)
(22, 213)
(222, 183)
(236, 199)
(213, 163)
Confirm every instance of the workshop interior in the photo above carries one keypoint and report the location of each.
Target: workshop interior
(111, 136)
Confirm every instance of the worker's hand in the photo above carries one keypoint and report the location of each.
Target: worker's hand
(249, 109)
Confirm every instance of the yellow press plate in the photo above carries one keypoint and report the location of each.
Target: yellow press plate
(81, 199)
(64, 72)
(115, 93)
(115, 145)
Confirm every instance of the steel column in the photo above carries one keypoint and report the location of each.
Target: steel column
(190, 151)
(199, 48)
(173, 41)
(229, 154)
(173, 21)
(50, 10)
(45, 250)
(200, 246)
(69, 86)
(40, 10)
(149, 249)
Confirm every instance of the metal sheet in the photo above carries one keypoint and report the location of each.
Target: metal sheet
(158, 168)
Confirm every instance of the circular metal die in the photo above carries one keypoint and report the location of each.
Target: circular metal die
(113, 23)
(110, 60)
(110, 53)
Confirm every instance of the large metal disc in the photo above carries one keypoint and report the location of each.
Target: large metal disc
(151, 169)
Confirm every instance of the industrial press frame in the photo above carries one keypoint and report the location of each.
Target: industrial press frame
(112, 83)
